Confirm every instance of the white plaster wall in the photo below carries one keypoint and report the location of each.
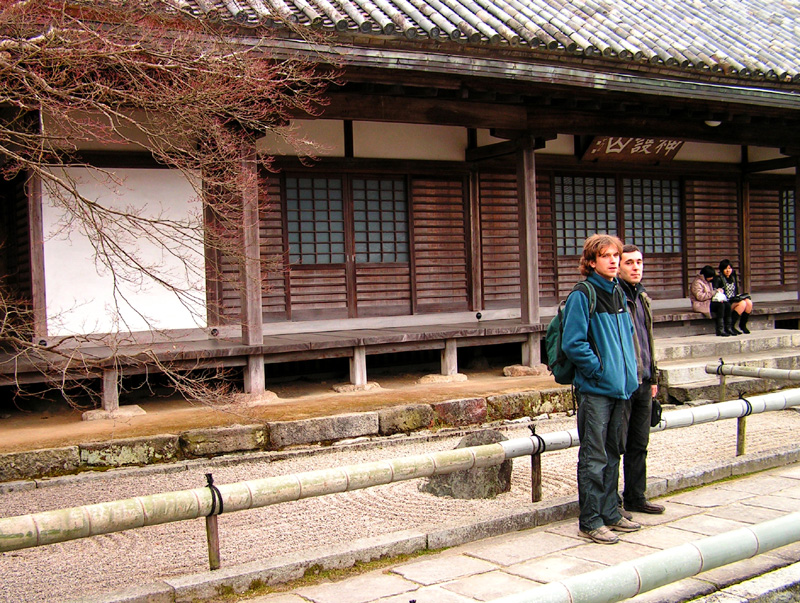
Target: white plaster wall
(409, 141)
(718, 153)
(317, 137)
(80, 292)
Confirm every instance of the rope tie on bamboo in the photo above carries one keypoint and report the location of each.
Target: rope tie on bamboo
(216, 496)
(542, 445)
(719, 366)
(749, 410)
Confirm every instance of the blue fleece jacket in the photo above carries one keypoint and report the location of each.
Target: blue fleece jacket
(607, 366)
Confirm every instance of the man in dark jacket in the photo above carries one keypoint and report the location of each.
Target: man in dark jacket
(636, 420)
(600, 345)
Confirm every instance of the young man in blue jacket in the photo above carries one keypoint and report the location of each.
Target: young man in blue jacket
(602, 349)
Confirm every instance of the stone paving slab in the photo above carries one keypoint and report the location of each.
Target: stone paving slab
(779, 503)
(611, 555)
(553, 567)
(360, 589)
(745, 513)
(659, 537)
(435, 594)
(760, 484)
(486, 587)
(713, 496)
(442, 568)
(515, 548)
(707, 525)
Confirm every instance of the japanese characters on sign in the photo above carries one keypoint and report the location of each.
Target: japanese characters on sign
(639, 150)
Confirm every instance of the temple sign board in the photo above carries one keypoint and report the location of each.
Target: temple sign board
(638, 150)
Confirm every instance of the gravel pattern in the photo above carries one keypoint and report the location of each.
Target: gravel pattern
(115, 561)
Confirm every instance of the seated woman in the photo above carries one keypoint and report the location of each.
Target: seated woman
(701, 292)
(741, 304)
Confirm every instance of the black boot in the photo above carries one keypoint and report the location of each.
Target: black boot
(743, 322)
(731, 326)
(719, 330)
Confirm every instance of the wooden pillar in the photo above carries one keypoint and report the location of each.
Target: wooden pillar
(252, 330)
(358, 366)
(797, 219)
(532, 350)
(450, 357)
(528, 235)
(110, 401)
(744, 267)
(36, 241)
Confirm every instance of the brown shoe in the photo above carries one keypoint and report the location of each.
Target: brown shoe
(625, 513)
(647, 507)
(624, 525)
(601, 535)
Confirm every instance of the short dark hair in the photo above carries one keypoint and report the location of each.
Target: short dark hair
(594, 245)
(724, 264)
(708, 272)
(631, 249)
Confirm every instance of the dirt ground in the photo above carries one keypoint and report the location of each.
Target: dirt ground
(53, 424)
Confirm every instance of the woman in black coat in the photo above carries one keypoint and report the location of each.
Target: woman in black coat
(741, 304)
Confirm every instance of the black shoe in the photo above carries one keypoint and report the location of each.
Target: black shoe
(735, 331)
(743, 323)
(647, 507)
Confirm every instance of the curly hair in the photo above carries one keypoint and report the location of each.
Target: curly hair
(595, 245)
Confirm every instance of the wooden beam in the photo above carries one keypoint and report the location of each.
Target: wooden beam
(544, 119)
(509, 147)
(771, 164)
(424, 111)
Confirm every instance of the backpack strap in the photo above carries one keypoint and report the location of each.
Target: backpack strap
(591, 294)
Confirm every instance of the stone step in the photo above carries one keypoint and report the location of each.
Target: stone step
(705, 346)
(684, 371)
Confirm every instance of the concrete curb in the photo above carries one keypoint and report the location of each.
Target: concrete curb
(238, 579)
(276, 435)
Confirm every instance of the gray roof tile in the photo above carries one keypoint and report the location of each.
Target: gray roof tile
(742, 38)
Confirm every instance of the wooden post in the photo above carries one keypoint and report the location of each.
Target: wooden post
(741, 435)
(254, 374)
(797, 219)
(531, 350)
(36, 238)
(450, 357)
(252, 330)
(528, 235)
(212, 536)
(110, 401)
(358, 366)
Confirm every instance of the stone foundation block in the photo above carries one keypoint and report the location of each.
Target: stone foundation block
(222, 440)
(467, 411)
(404, 419)
(512, 406)
(131, 451)
(553, 400)
(322, 429)
(39, 463)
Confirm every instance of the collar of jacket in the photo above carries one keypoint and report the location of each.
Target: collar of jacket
(632, 291)
(601, 282)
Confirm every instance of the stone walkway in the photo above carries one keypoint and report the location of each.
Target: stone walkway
(520, 561)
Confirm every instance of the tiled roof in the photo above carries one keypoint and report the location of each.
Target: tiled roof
(749, 39)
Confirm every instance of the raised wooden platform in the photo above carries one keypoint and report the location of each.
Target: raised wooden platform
(212, 348)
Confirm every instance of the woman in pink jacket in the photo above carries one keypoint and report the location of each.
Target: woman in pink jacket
(701, 293)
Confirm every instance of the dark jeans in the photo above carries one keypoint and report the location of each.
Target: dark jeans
(600, 432)
(635, 437)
